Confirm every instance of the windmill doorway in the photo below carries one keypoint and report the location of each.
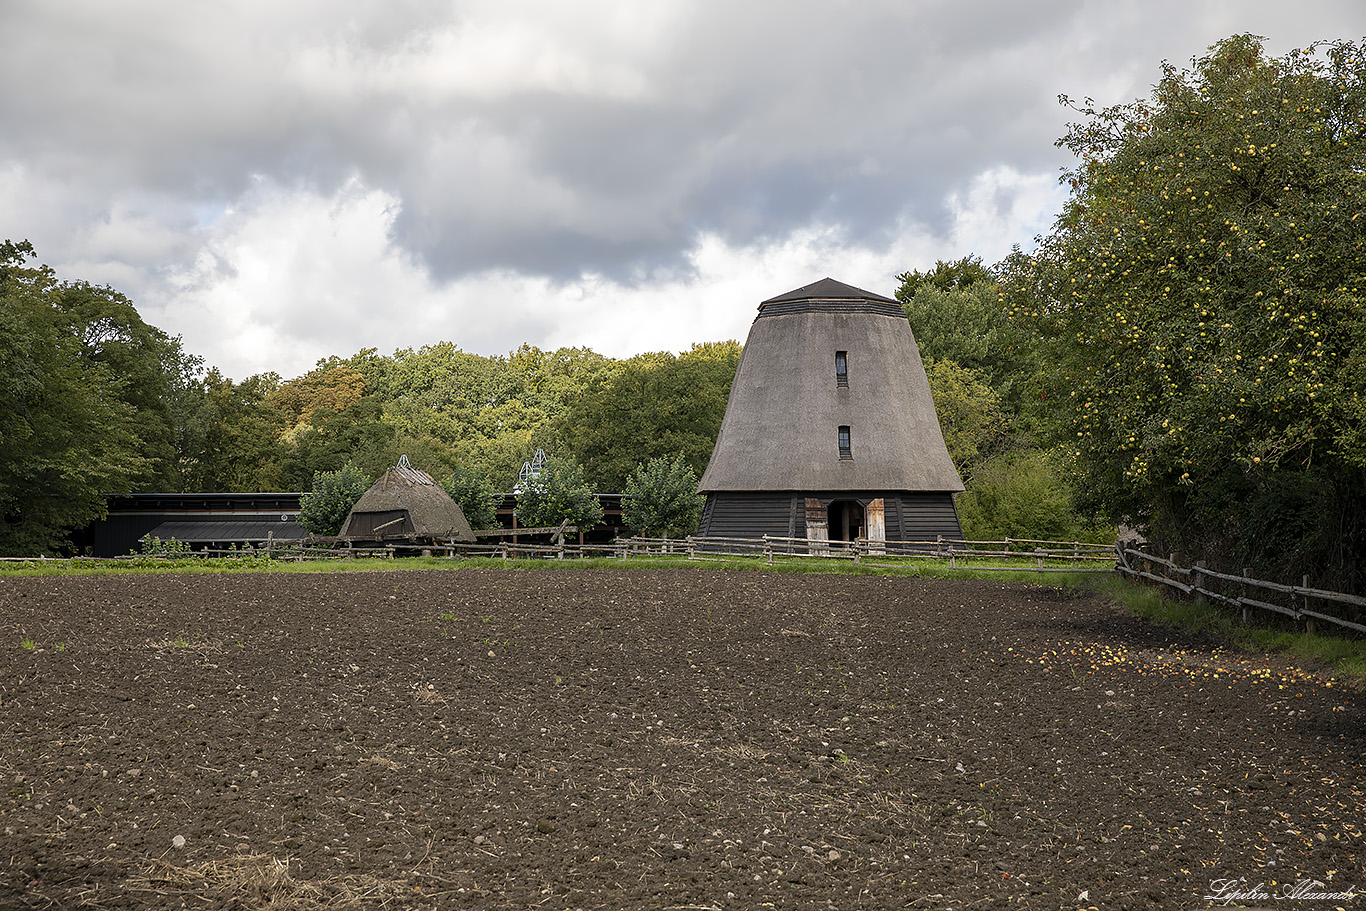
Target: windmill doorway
(847, 520)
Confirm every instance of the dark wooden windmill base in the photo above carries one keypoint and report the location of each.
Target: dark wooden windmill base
(847, 515)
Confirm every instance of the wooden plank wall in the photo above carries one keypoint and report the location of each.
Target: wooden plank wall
(909, 516)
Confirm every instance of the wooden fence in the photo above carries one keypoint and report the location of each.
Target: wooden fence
(1005, 555)
(1017, 554)
(1298, 602)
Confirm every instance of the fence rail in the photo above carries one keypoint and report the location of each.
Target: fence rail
(1019, 554)
(1033, 555)
(1294, 601)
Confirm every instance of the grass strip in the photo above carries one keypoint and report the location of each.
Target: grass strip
(1342, 655)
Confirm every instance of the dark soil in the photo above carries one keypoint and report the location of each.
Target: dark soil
(650, 739)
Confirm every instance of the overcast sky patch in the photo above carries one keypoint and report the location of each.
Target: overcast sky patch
(278, 182)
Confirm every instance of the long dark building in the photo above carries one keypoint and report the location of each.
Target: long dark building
(830, 432)
(218, 520)
(199, 519)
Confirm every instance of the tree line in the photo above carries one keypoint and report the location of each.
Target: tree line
(96, 403)
(1183, 355)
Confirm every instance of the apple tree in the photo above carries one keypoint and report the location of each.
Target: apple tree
(1201, 296)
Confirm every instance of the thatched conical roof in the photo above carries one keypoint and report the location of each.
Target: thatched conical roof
(786, 406)
(408, 493)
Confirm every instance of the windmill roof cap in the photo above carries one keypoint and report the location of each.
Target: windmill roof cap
(830, 296)
(828, 289)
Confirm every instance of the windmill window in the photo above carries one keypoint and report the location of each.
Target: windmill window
(841, 368)
(845, 451)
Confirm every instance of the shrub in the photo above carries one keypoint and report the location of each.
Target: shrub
(559, 494)
(661, 498)
(470, 487)
(323, 510)
(170, 548)
(1024, 495)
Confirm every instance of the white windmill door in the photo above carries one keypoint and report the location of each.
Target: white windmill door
(817, 526)
(875, 513)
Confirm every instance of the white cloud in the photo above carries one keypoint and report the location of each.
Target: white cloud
(496, 51)
(1003, 207)
(287, 277)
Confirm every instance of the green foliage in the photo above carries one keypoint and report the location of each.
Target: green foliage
(69, 428)
(379, 451)
(356, 434)
(323, 510)
(970, 414)
(651, 406)
(469, 486)
(958, 275)
(152, 546)
(185, 401)
(234, 436)
(559, 494)
(492, 412)
(148, 369)
(329, 390)
(971, 327)
(1203, 294)
(961, 326)
(983, 366)
(448, 408)
(661, 498)
(1024, 495)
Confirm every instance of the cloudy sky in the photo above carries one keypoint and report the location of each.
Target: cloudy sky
(280, 180)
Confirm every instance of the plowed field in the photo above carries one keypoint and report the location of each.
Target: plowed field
(657, 739)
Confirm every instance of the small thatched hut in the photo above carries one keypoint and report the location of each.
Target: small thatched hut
(830, 432)
(406, 502)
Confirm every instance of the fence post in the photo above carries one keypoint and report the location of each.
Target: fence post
(1039, 551)
(1170, 568)
(1308, 621)
(690, 547)
(768, 550)
(1198, 581)
(1247, 574)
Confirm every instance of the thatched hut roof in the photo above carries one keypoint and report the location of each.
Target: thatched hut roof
(408, 502)
(786, 407)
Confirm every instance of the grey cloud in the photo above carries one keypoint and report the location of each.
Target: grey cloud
(750, 119)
